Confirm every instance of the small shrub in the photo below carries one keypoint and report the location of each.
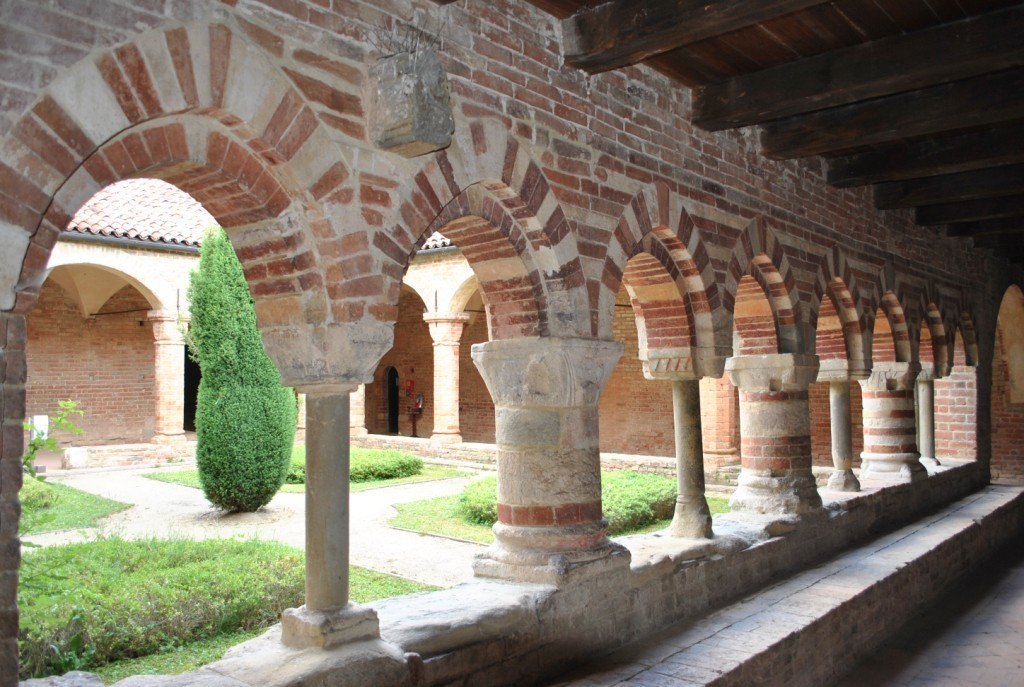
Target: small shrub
(36, 495)
(478, 502)
(630, 500)
(366, 465)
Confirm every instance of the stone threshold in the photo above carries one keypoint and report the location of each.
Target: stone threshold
(490, 633)
(813, 627)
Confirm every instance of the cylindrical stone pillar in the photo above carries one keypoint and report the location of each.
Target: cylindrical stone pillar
(446, 331)
(357, 412)
(842, 477)
(775, 433)
(327, 618)
(692, 516)
(168, 379)
(890, 431)
(926, 417)
(546, 392)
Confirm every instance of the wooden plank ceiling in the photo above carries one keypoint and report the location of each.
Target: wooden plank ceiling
(924, 99)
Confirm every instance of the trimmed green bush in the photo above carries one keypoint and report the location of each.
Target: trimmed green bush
(245, 420)
(36, 494)
(630, 500)
(366, 465)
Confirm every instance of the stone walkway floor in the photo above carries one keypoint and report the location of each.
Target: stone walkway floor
(162, 509)
(972, 636)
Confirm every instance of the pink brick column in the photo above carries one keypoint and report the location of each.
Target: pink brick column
(446, 331)
(890, 427)
(775, 433)
(546, 392)
(169, 378)
(357, 412)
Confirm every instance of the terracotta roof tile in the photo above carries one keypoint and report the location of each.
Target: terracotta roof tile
(144, 210)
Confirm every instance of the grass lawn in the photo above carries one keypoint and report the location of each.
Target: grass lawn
(69, 509)
(190, 478)
(160, 606)
(438, 516)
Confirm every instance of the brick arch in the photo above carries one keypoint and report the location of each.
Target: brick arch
(656, 224)
(516, 201)
(759, 254)
(894, 329)
(970, 339)
(662, 316)
(932, 347)
(835, 287)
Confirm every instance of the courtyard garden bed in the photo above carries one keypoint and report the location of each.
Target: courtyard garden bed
(370, 469)
(158, 606)
(49, 507)
(633, 502)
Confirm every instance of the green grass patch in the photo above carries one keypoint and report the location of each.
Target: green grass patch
(190, 478)
(49, 507)
(88, 605)
(633, 503)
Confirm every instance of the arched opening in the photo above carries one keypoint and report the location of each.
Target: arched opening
(391, 409)
(754, 331)
(1008, 389)
(476, 407)
(956, 406)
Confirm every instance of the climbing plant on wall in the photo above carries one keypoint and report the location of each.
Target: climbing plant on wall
(245, 419)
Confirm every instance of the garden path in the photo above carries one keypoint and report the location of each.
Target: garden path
(162, 509)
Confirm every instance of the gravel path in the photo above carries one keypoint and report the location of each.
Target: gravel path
(163, 510)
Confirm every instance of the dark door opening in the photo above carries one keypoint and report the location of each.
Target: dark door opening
(393, 396)
(192, 377)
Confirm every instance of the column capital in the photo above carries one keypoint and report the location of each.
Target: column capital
(327, 388)
(892, 376)
(682, 363)
(313, 355)
(546, 371)
(928, 373)
(841, 369)
(774, 372)
(166, 327)
(446, 328)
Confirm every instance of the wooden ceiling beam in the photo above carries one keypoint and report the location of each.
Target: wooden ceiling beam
(979, 101)
(984, 183)
(623, 32)
(1002, 145)
(989, 228)
(971, 210)
(948, 52)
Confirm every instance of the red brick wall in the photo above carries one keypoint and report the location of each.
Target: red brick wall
(105, 363)
(476, 409)
(1007, 420)
(754, 322)
(413, 356)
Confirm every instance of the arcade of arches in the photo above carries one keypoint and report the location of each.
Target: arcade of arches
(620, 278)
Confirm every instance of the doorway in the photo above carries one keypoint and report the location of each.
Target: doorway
(393, 396)
(192, 377)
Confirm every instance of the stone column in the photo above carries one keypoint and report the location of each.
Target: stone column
(684, 367)
(842, 477)
(546, 392)
(327, 618)
(775, 433)
(357, 415)
(446, 331)
(926, 415)
(890, 432)
(169, 378)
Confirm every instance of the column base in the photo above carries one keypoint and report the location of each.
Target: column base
(929, 462)
(892, 467)
(775, 495)
(302, 628)
(692, 519)
(445, 438)
(843, 480)
(544, 555)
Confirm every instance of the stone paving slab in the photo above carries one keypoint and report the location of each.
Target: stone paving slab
(731, 646)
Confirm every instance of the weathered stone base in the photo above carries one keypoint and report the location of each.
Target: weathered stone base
(756, 493)
(302, 628)
(892, 467)
(843, 480)
(492, 633)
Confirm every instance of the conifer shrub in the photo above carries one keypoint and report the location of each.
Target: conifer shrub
(245, 419)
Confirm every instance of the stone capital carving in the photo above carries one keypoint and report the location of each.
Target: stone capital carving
(546, 371)
(928, 373)
(775, 372)
(446, 328)
(166, 328)
(890, 376)
(682, 363)
(840, 369)
(315, 355)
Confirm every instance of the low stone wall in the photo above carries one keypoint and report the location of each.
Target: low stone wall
(126, 455)
(493, 633)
